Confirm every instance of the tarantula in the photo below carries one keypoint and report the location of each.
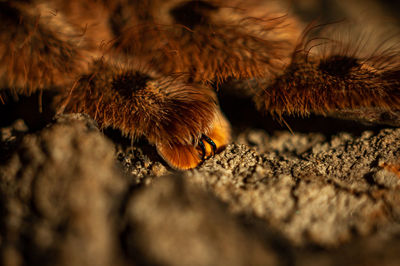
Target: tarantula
(151, 68)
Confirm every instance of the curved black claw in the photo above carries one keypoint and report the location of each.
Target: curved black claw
(211, 142)
(203, 150)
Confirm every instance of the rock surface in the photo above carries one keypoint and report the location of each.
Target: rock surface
(70, 196)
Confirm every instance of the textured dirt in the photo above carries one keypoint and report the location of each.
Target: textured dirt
(70, 196)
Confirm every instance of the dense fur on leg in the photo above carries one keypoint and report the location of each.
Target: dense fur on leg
(38, 47)
(336, 77)
(169, 112)
(209, 40)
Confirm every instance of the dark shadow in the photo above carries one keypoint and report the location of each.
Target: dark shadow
(35, 110)
(242, 114)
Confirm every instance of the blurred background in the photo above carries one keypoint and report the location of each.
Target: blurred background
(377, 13)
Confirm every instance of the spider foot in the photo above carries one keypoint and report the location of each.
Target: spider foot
(186, 156)
(181, 119)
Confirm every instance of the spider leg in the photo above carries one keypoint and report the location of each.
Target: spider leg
(171, 113)
(38, 50)
(335, 85)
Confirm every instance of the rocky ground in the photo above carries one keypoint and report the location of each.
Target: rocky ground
(324, 192)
